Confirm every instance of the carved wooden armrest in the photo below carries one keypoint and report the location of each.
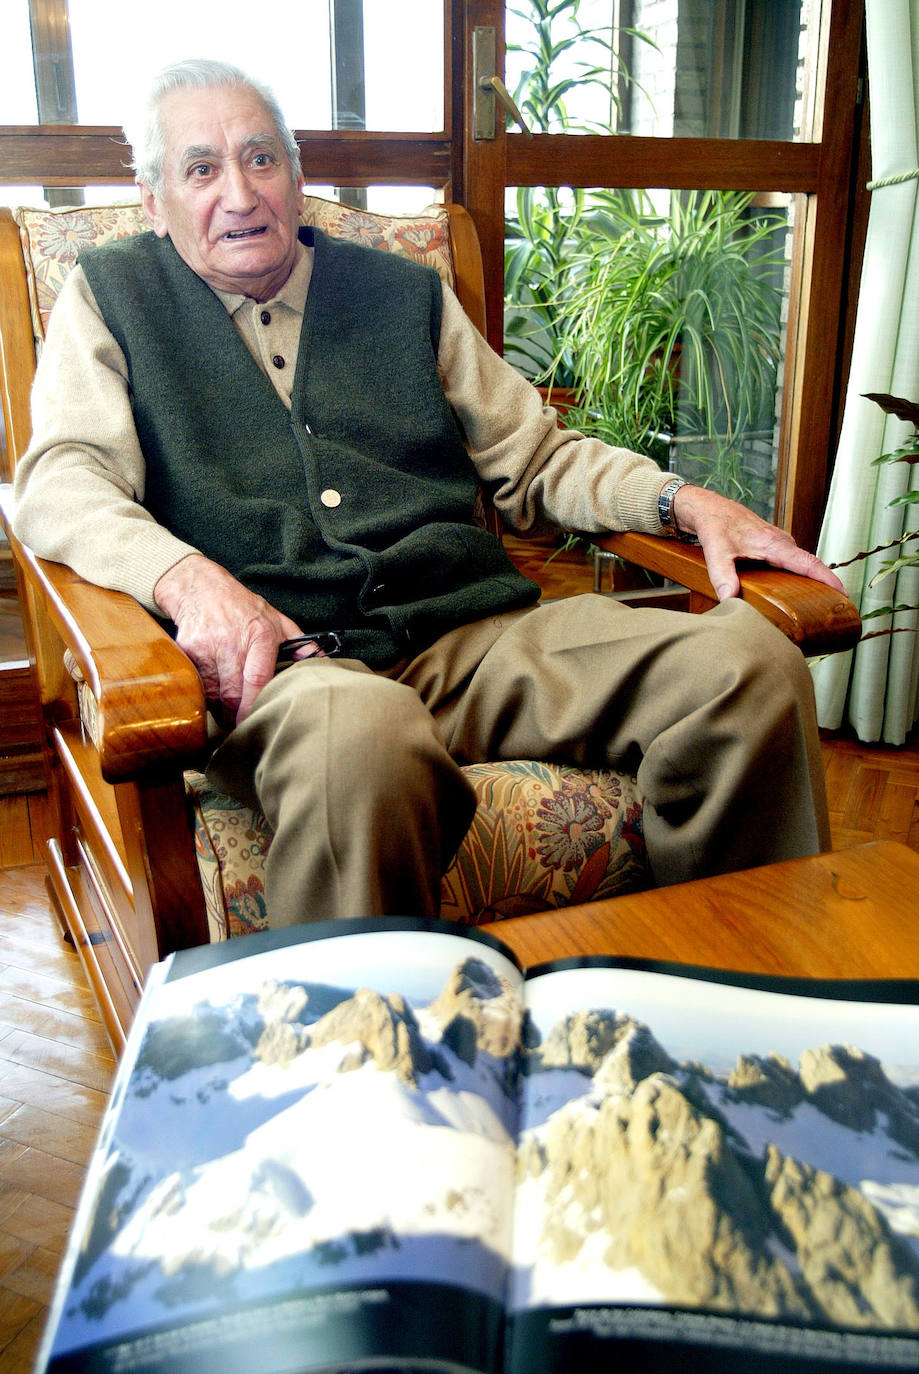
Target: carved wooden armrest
(817, 618)
(149, 705)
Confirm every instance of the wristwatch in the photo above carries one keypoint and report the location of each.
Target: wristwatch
(665, 500)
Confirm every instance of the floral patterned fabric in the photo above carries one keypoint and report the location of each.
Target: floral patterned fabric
(543, 836)
(52, 240)
(424, 237)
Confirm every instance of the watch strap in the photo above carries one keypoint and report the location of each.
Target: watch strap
(665, 499)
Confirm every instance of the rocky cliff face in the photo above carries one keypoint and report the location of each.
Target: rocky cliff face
(853, 1269)
(481, 1014)
(851, 1087)
(648, 1163)
(768, 1082)
(583, 1041)
(477, 1012)
(383, 1029)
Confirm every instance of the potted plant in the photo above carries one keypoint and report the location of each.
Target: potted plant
(539, 235)
(664, 319)
(674, 322)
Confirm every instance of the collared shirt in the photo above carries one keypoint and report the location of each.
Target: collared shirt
(271, 329)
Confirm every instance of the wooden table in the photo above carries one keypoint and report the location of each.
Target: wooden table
(849, 914)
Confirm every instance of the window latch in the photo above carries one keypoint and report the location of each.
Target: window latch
(489, 87)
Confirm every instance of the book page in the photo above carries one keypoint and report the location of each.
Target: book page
(309, 1156)
(714, 1168)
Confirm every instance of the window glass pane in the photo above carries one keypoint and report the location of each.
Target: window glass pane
(404, 65)
(385, 200)
(22, 195)
(686, 68)
(118, 47)
(17, 79)
(663, 312)
(37, 196)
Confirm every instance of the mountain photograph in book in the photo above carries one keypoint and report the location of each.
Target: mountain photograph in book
(387, 1148)
(718, 1147)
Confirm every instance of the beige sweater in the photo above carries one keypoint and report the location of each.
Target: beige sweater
(79, 486)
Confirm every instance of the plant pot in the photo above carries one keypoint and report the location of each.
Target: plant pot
(562, 398)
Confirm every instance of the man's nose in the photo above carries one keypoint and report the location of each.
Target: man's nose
(239, 194)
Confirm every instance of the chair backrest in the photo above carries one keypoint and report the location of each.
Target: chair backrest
(38, 247)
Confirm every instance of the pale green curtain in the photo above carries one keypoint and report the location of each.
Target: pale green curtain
(875, 688)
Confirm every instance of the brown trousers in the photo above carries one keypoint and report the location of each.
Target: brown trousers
(358, 773)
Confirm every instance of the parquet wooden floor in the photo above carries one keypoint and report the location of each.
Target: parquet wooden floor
(56, 1069)
(873, 792)
(56, 1065)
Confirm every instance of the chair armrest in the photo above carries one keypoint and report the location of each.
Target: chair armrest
(150, 710)
(814, 616)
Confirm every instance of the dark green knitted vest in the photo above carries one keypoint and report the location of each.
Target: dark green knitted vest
(400, 560)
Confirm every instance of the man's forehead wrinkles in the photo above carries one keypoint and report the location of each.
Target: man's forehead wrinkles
(196, 150)
(255, 140)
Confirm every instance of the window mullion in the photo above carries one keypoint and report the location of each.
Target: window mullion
(55, 86)
(349, 95)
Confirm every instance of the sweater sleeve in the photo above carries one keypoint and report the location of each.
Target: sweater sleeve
(79, 486)
(541, 475)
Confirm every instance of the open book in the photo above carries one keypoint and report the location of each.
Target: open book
(378, 1146)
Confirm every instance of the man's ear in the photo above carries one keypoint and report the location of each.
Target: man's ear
(152, 210)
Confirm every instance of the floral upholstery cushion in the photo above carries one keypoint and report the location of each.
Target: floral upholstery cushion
(543, 836)
(424, 236)
(52, 240)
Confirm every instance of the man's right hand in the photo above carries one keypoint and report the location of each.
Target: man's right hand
(230, 634)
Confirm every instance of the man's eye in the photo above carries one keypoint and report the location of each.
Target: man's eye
(262, 160)
(199, 169)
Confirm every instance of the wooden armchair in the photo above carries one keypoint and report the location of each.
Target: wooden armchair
(146, 858)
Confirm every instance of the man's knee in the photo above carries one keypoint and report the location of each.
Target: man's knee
(759, 652)
(338, 727)
(361, 758)
(356, 725)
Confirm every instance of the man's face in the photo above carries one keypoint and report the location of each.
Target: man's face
(229, 202)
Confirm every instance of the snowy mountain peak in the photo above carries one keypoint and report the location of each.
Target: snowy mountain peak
(478, 1012)
(383, 1029)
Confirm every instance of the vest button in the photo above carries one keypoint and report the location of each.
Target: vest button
(278, 361)
(330, 498)
(265, 317)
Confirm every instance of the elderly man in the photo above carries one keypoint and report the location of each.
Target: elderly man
(268, 435)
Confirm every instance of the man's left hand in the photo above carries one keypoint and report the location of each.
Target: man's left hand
(728, 531)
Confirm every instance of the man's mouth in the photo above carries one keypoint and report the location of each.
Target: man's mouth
(235, 235)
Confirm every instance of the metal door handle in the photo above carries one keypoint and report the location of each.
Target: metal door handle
(489, 86)
(494, 83)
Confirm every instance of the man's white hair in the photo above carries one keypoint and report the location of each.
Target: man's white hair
(148, 143)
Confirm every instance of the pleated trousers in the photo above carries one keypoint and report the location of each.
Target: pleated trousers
(359, 772)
